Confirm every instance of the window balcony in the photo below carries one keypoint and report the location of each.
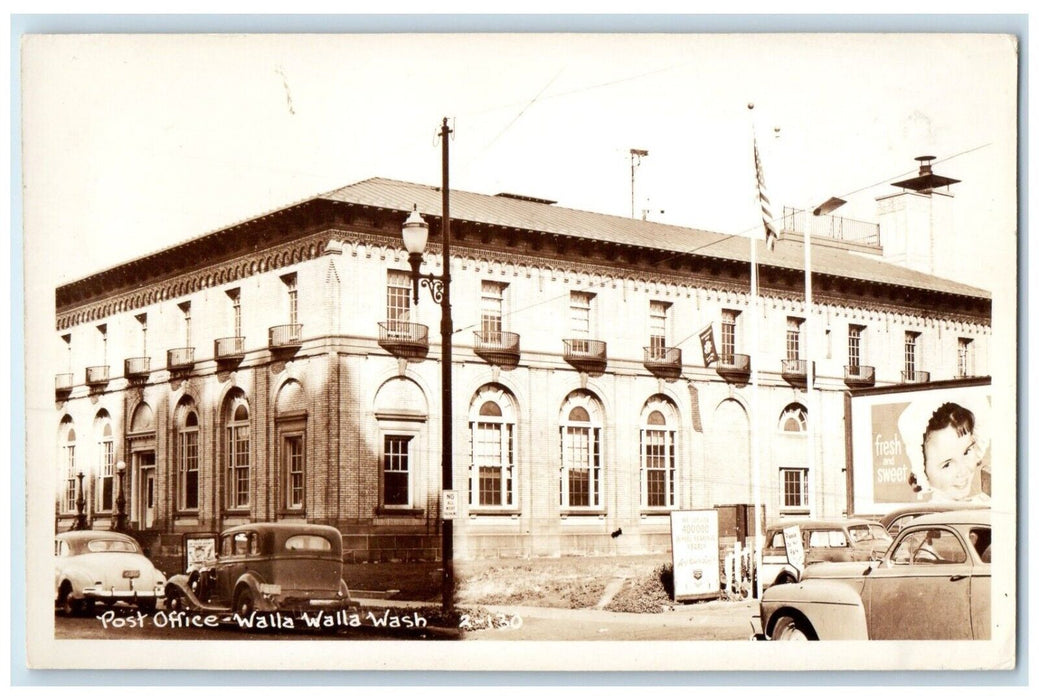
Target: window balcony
(585, 355)
(229, 350)
(136, 367)
(500, 348)
(287, 337)
(733, 366)
(796, 371)
(180, 359)
(97, 376)
(917, 377)
(859, 375)
(663, 362)
(407, 340)
(63, 384)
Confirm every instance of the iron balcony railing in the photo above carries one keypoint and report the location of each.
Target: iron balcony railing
(230, 348)
(795, 369)
(404, 339)
(662, 359)
(136, 366)
(497, 347)
(917, 377)
(63, 382)
(180, 358)
(859, 375)
(733, 362)
(97, 375)
(581, 349)
(834, 227)
(285, 336)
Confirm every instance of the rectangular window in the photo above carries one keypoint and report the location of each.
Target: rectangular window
(855, 347)
(794, 483)
(238, 467)
(658, 327)
(290, 286)
(398, 303)
(910, 354)
(103, 331)
(658, 468)
(106, 477)
(793, 337)
(143, 320)
(965, 357)
(396, 490)
(492, 460)
(728, 335)
(581, 314)
(581, 466)
(492, 307)
(70, 479)
(294, 469)
(188, 451)
(235, 296)
(185, 310)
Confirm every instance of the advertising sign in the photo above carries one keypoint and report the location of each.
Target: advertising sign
(198, 547)
(694, 554)
(795, 549)
(928, 444)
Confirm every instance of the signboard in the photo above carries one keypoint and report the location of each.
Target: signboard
(795, 548)
(198, 547)
(449, 505)
(710, 354)
(886, 445)
(694, 554)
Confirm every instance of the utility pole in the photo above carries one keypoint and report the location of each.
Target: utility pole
(637, 154)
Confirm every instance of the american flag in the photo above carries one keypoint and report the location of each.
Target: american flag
(771, 236)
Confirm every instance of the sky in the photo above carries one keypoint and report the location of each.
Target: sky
(136, 143)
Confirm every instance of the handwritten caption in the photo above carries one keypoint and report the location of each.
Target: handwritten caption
(319, 620)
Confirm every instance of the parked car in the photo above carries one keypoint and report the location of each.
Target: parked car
(267, 567)
(934, 582)
(100, 566)
(900, 517)
(852, 539)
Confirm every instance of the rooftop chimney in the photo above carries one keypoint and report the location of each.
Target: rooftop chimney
(926, 181)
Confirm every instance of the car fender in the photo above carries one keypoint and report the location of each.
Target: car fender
(833, 609)
(182, 583)
(78, 578)
(253, 582)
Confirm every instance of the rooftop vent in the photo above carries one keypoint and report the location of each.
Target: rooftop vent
(927, 180)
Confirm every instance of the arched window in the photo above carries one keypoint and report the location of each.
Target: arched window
(658, 453)
(794, 419)
(68, 466)
(580, 439)
(238, 449)
(187, 456)
(105, 462)
(492, 434)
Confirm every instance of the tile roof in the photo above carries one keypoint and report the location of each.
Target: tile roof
(531, 215)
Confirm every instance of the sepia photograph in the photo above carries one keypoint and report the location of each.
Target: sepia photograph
(549, 351)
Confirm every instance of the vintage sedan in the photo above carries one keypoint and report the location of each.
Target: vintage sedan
(934, 582)
(850, 539)
(266, 568)
(100, 566)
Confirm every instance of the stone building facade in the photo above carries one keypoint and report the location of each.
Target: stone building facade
(279, 370)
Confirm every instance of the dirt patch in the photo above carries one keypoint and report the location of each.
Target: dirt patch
(567, 582)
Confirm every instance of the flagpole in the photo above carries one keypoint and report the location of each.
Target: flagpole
(810, 373)
(755, 408)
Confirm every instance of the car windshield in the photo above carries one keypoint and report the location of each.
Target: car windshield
(879, 533)
(309, 543)
(859, 533)
(111, 545)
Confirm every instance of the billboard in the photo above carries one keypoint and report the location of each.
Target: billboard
(926, 443)
(694, 551)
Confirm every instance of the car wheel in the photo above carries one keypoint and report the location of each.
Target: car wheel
(790, 629)
(243, 604)
(67, 605)
(146, 606)
(785, 578)
(174, 601)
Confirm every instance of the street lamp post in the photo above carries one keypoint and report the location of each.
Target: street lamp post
(81, 506)
(415, 233)
(120, 501)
